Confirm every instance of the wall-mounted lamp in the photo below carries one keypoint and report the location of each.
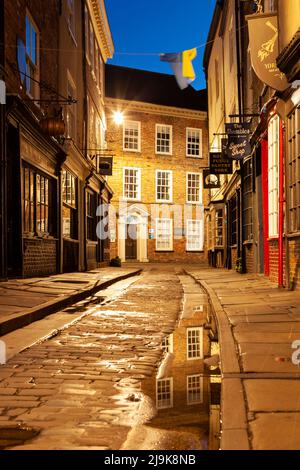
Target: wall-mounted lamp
(118, 117)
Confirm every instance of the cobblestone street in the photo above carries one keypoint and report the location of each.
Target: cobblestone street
(81, 389)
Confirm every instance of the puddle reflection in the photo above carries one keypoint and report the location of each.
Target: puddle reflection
(186, 390)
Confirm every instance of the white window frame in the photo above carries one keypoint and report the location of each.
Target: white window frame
(138, 198)
(194, 402)
(170, 405)
(157, 221)
(139, 136)
(171, 139)
(190, 222)
(195, 328)
(193, 129)
(273, 175)
(167, 343)
(170, 188)
(200, 188)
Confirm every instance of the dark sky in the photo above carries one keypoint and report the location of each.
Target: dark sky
(157, 26)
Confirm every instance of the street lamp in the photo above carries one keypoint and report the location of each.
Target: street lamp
(118, 117)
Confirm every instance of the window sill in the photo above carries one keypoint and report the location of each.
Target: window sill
(198, 203)
(194, 251)
(273, 239)
(160, 201)
(198, 157)
(165, 154)
(164, 251)
(132, 150)
(72, 240)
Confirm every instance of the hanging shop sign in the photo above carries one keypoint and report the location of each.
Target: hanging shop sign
(104, 165)
(219, 164)
(263, 42)
(210, 181)
(238, 144)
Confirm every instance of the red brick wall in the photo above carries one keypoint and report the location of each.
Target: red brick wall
(179, 253)
(273, 251)
(249, 254)
(233, 257)
(39, 257)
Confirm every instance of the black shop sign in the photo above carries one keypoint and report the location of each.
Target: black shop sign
(219, 164)
(238, 145)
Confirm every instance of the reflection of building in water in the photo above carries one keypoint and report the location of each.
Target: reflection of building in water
(182, 389)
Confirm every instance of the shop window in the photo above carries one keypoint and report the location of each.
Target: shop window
(69, 198)
(293, 158)
(219, 227)
(248, 201)
(37, 207)
(91, 220)
(273, 160)
(234, 221)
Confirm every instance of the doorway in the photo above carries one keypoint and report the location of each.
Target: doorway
(131, 242)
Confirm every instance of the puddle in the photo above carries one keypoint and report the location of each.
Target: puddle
(185, 393)
(15, 436)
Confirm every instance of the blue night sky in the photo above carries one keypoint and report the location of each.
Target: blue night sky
(157, 26)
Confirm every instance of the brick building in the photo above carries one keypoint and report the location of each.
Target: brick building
(48, 225)
(252, 224)
(159, 153)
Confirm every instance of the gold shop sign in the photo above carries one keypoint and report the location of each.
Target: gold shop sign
(263, 42)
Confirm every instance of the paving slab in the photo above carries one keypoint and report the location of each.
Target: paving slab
(24, 301)
(273, 395)
(263, 322)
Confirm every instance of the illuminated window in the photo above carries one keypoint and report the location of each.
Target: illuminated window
(193, 142)
(132, 136)
(164, 186)
(69, 198)
(293, 159)
(164, 234)
(194, 235)
(164, 393)
(163, 139)
(132, 183)
(194, 187)
(37, 208)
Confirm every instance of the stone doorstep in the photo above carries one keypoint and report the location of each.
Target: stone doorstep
(18, 320)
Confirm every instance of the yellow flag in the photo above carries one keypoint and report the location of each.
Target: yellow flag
(187, 66)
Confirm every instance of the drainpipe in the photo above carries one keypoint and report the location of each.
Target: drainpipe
(85, 127)
(281, 202)
(3, 159)
(241, 251)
